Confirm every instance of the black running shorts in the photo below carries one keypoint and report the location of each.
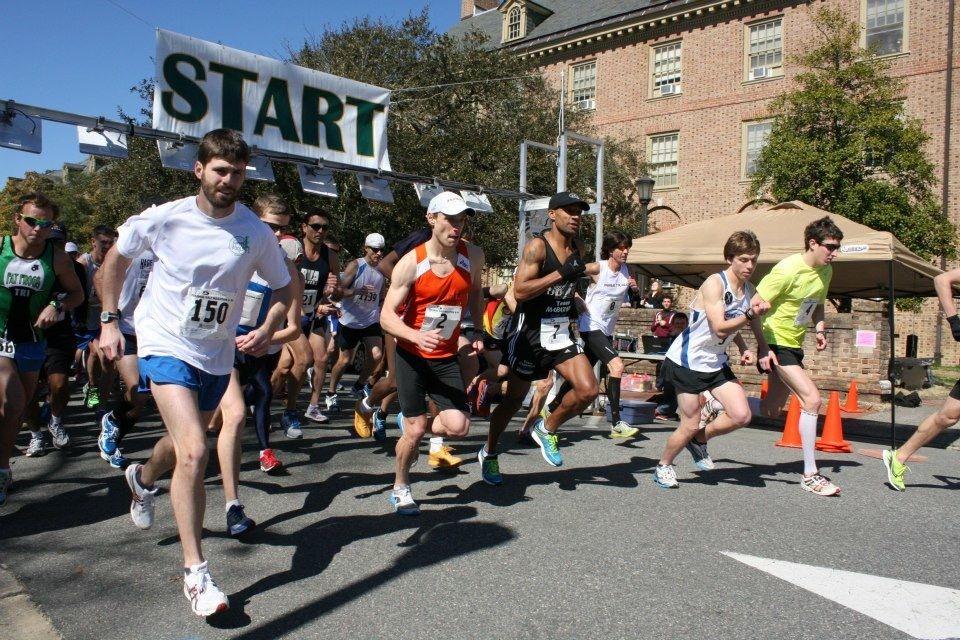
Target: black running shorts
(598, 347)
(418, 377)
(348, 338)
(530, 361)
(686, 380)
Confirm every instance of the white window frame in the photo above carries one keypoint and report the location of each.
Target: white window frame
(774, 67)
(515, 10)
(666, 76)
(586, 99)
(905, 36)
(660, 159)
(745, 146)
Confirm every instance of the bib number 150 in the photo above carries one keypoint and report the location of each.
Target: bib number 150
(210, 311)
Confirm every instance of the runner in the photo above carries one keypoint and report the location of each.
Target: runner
(362, 287)
(433, 284)
(544, 287)
(120, 420)
(99, 374)
(895, 459)
(250, 378)
(29, 265)
(796, 289)
(697, 361)
(57, 367)
(610, 282)
(319, 267)
(207, 248)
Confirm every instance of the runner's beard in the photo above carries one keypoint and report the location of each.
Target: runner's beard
(218, 199)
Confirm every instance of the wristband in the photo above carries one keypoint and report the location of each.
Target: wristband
(750, 315)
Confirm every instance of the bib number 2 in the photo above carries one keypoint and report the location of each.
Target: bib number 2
(206, 314)
(446, 318)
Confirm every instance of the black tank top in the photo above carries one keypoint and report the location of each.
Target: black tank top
(555, 302)
(315, 272)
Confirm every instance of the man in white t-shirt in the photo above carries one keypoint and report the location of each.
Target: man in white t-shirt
(207, 247)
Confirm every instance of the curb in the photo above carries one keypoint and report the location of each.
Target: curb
(20, 617)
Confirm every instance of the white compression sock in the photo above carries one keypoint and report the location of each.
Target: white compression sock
(231, 503)
(808, 439)
(436, 443)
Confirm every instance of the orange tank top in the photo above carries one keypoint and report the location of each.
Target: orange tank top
(438, 303)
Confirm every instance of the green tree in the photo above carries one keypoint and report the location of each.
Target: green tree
(841, 141)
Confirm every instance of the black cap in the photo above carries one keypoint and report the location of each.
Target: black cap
(58, 231)
(567, 198)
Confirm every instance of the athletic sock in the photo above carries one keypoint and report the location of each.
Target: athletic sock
(436, 444)
(232, 503)
(311, 406)
(613, 395)
(808, 440)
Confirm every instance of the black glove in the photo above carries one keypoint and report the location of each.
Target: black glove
(954, 327)
(573, 268)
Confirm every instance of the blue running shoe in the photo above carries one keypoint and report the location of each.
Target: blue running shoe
(109, 431)
(489, 467)
(549, 443)
(367, 390)
(117, 461)
(379, 426)
(237, 522)
(400, 422)
(290, 423)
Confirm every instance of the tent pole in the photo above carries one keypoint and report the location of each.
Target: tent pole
(890, 320)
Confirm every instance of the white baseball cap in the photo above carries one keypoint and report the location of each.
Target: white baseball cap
(375, 241)
(71, 247)
(449, 204)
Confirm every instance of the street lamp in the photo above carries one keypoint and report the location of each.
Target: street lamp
(645, 195)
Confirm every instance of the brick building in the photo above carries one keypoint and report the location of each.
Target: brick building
(692, 80)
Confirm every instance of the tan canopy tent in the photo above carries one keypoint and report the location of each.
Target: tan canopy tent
(871, 264)
(688, 254)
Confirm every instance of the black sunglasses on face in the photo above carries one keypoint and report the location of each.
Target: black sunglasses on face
(376, 250)
(317, 226)
(829, 246)
(37, 222)
(275, 227)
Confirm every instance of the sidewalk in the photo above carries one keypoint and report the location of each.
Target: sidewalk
(20, 618)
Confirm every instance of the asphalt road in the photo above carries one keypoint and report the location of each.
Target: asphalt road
(590, 550)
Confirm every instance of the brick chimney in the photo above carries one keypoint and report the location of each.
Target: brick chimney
(469, 7)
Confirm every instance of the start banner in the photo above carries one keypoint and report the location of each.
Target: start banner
(277, 106)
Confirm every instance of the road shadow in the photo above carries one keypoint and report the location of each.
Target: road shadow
(750, 474)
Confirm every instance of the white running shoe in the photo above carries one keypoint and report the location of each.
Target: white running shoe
(36, 448)
(203, 593)
(665, 477)
(402, 501)
(333, 403)
(141, 505)
(313, 413)
(58, 435)
(819, 484)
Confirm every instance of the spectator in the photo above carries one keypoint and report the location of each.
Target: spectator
(661, 326)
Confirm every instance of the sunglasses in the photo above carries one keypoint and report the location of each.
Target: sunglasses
(275, 227)
(37, 222)
(317, 226)
(376, 249)
(829, 246)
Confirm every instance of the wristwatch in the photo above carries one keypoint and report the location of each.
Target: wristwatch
(749, 314)
(56, 304)
(106, 317)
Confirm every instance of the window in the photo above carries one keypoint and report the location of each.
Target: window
(666, 70)
(584, 85)
(664, 159)
(885, 21)
(754, 140)
(513, 23)
(764, 49)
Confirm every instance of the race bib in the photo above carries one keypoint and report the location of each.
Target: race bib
(206, 313)
(611, 307)
(442, 317)
(309, 301)
(807, 307)
(366, 298)
(8, 348)
(555, 333)
(252, 304)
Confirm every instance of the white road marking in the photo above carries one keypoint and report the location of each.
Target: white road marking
(920, 610)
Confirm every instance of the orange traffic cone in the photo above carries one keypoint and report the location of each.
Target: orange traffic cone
(832, 440)
(791, 428)
(764, 388)
(853, 399)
